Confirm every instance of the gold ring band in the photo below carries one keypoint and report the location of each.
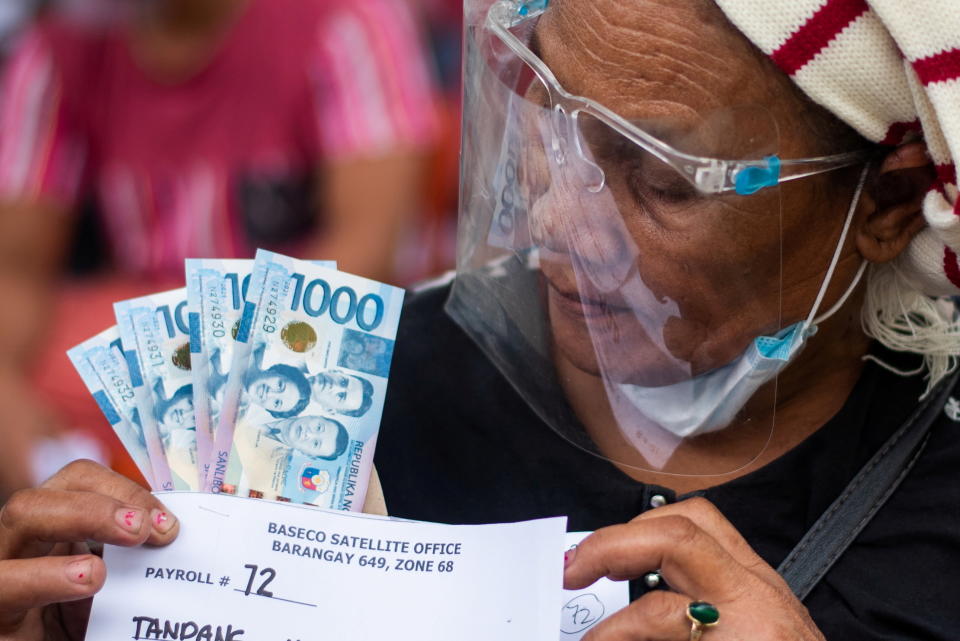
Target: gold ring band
(696, 630)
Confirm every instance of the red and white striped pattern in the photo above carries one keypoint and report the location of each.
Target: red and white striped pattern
(35, 154)
(371, 54)
(890, 69)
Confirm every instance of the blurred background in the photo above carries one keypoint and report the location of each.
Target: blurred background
(137, 133)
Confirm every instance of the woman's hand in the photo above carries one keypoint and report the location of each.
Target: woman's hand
(47, 573)
(702, 557)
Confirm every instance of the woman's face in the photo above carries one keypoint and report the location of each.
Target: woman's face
(708, 275)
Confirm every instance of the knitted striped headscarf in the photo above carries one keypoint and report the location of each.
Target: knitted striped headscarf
(891, 70)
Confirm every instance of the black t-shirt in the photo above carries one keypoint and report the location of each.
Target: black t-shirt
(459, 445)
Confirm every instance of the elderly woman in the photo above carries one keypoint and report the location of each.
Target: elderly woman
(694, 310)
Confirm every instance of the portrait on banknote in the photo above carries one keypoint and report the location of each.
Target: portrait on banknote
(298, 419)
(177, 425)
(366, 353)
(300, 423)
(155, 335)
(284, 390)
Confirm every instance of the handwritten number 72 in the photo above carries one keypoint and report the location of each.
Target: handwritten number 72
(270, 573)
(581, 615)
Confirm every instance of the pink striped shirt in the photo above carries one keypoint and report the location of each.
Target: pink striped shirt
(223, 161)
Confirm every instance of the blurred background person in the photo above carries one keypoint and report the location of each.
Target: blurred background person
(191, 128)
(14, 14)
(430, 247)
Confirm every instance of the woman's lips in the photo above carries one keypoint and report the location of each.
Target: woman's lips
(573, 304)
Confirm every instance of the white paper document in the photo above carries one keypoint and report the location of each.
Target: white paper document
(253, 570)
(584, 609)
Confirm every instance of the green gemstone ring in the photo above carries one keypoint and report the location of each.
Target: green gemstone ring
(702, 615)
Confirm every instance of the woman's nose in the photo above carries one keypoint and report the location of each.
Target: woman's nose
(586, 225)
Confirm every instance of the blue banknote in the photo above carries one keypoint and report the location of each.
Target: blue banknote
(216, 290)
(102, 365)
(155, 331)
(301, 407)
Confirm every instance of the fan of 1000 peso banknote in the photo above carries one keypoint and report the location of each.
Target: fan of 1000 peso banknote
(263, 378)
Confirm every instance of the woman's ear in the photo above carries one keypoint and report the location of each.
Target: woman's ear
(894, 203)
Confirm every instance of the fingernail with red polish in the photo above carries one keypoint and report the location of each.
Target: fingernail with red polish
(162, 521)
(568, 557)
(130, 520)
(80, 572)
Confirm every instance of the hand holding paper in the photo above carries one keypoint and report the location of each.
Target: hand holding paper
(247, 570)
(267, 379)
(41, 562)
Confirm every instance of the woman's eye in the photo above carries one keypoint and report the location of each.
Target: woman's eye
(650, 180)
(667, 189)
(342, 396)
(281, 385)
(674, 195)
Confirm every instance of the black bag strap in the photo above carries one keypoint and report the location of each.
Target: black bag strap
(839, 526)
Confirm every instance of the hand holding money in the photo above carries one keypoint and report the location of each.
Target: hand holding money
(48, 571)
(266, 379)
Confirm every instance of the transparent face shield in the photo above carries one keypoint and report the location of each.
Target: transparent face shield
(622, 271)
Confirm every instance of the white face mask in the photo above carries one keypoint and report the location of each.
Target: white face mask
(709, 402)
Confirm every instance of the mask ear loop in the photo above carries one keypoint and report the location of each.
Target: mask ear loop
(813, 320)
(843, 299)
(856, 281)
